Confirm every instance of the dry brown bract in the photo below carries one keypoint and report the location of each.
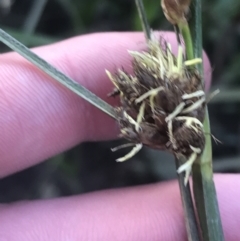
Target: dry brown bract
(175, 10)
(162, 104)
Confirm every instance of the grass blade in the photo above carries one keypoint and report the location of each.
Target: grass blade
(203, 185)
(56, 74)
(34, 16)
(143, 17)
(188, 208)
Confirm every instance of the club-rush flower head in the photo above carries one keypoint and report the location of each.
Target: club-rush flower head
(162, 103)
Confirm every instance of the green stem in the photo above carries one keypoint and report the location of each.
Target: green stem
(143, 18)
(185, 31)
(187, 202)
(203, 185)
(56, 74)
(188, 208)
(205, 193)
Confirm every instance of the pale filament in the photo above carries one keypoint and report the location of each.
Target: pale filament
(132, 153)
(198, 93)
(147, 94)
(187, 166)
(177, 111)
(194, 106)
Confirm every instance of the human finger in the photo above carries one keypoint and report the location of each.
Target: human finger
(40, 118)
(151, 212)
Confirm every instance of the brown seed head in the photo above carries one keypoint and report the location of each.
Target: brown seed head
(175, 10)
(162, 103)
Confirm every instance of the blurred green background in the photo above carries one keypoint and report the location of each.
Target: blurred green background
(92, 166)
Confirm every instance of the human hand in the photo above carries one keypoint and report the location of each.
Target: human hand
(40, 118)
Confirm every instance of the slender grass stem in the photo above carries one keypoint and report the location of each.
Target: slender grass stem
(56, 74)
(190, 219)
(188, 208)
(143, 17)
(205, 193)
(203, 185)
(34, 16)
(187, 202)
(185, 31)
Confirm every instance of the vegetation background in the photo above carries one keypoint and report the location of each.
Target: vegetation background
(92, 166)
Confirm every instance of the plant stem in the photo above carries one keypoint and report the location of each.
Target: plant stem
(190, 219)
(56, 74)
(185, 31)
(143, 17)
(189, 214)
(187, 202)
(34, 16)
(205, 193)
(203, 185)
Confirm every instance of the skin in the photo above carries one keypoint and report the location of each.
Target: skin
(39, 118)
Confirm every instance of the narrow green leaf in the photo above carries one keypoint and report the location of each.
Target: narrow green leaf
(56, 74)
(34, 16)
(143, 18)
(188, 208)
(35, 39)
(203, 185)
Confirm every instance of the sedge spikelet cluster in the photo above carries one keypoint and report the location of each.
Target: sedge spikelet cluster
(162, 103)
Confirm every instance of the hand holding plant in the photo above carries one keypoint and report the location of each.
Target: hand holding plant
(40, 118)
